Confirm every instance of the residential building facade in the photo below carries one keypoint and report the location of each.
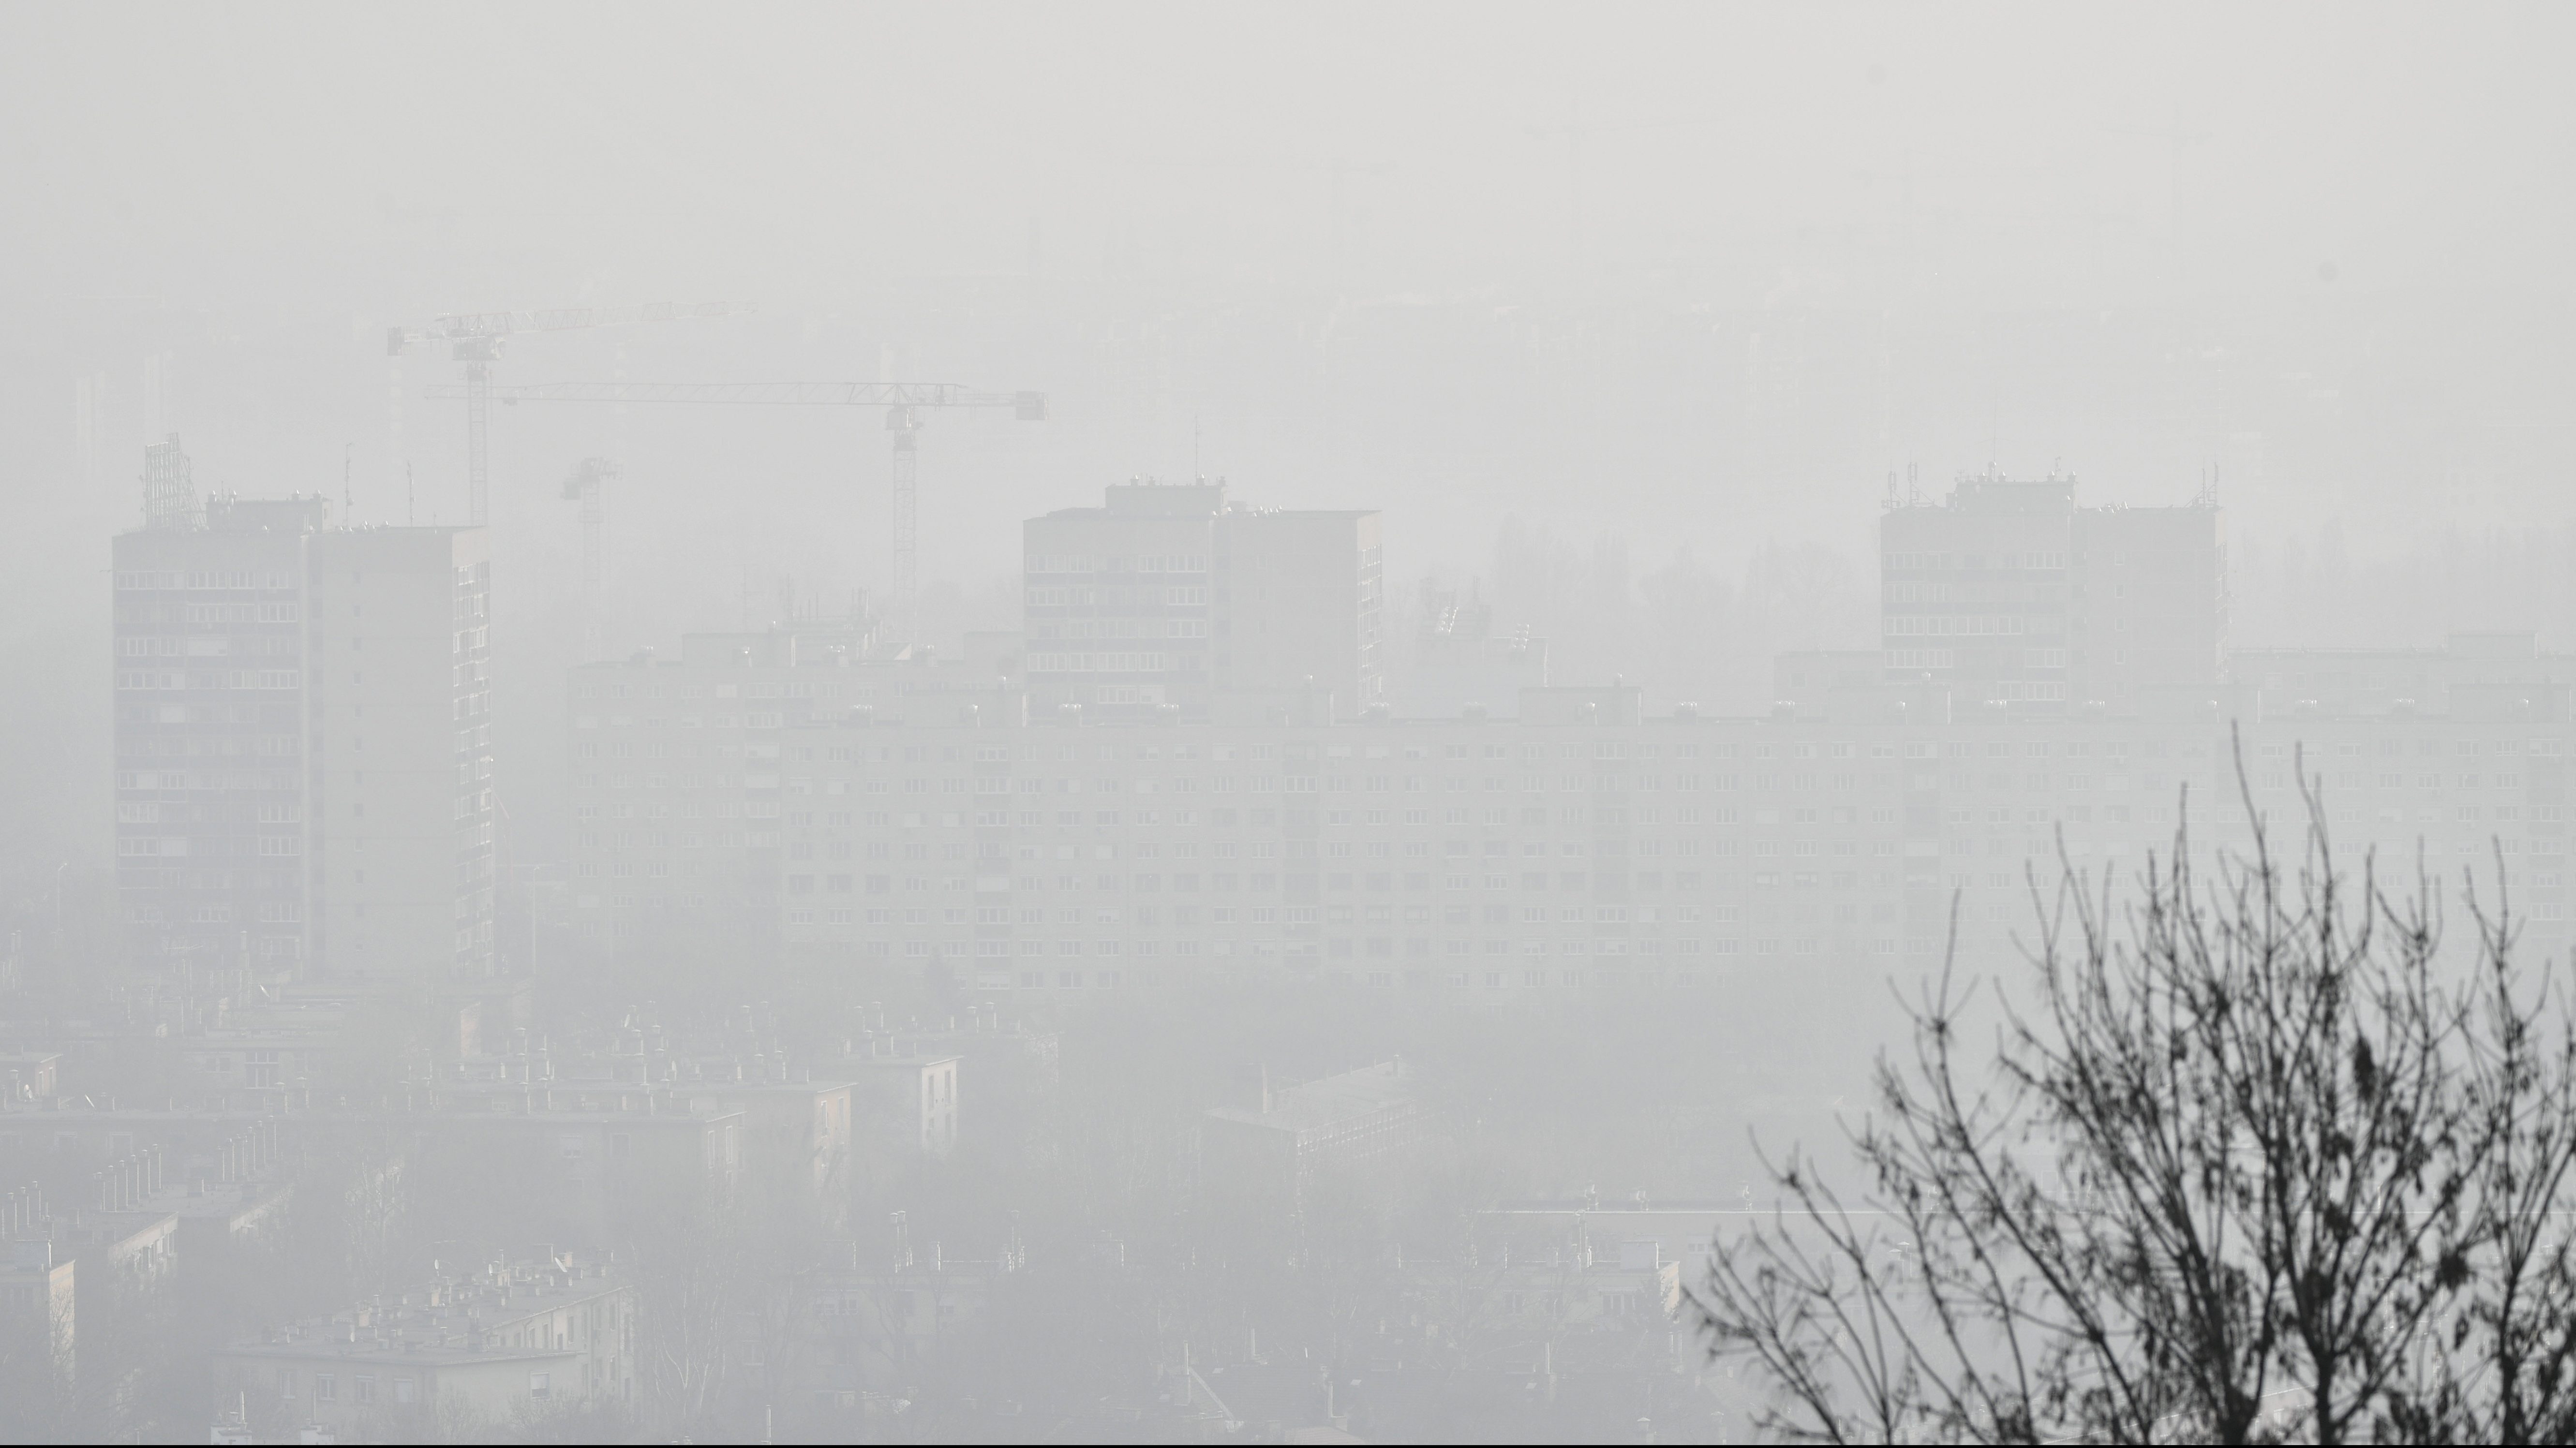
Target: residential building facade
(303, 742)
(1169, 597)
(2009, 592)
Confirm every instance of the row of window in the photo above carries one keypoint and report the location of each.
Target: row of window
(1186, 819)
(171, 646)
(1052, 751)
(788, 689)
(150, 581)
(235, 781)
(174, 845)
(1150, 628)
(131, 812)
(1096, 563)
(998, 784)
(286, 912)
(1375, 979)
(1640, 951)
(1063, 597)
(1279, 914)
(1344, 947)
(1922, 562)
(1126, 662)
(210, 679)
(1935, 625)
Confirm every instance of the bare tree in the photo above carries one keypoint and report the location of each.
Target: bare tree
(2265, 1160)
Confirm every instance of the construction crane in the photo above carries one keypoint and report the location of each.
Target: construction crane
(904, 404)
(476, 338)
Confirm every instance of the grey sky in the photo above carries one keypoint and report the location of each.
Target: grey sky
(1698, 276)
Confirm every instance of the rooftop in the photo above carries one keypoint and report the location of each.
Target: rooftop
(1332, 1100)
(456, 1318)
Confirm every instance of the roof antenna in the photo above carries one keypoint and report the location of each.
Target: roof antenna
(409, 493)
(348, 499)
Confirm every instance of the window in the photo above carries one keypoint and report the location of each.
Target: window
(326, 1388)
(540, 1385)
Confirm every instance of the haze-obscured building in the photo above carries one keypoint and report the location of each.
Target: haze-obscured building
(476, 1350)
(303, 743)
(677, 765)
(1168, 595)
(1270, 1155)
(2008, 591)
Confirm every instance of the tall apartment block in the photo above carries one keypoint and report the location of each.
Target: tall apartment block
(2014, 595)
(303, 744)
(1169, 596)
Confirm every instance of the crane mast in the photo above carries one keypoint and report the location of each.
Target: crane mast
(905, 404)
(476, 338)
(905, 424)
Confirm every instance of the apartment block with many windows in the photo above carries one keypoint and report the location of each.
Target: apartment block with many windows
(2009, 592)
(303, 746)
(1168, 596)
(1582, 845)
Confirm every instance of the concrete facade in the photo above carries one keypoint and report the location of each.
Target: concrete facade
(303, 744)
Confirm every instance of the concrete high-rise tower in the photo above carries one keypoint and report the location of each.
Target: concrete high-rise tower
(303, 746)
(1168, 594)
(2012, 594)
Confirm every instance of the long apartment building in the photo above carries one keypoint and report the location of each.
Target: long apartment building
(1022, 835)
(658, 741)
(1579, 845)
(303, 742)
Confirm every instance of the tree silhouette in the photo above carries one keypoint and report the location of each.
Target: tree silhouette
(2265, 1160)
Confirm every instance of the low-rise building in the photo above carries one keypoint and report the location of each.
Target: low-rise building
(516, 1339)
(1270, 1157)
(906, 1105)
(873, 1317)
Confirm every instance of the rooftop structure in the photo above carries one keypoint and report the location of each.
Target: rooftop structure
(494, 1344)
(1344, 1123)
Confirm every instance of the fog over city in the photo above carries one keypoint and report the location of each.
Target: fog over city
(1251, 724)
